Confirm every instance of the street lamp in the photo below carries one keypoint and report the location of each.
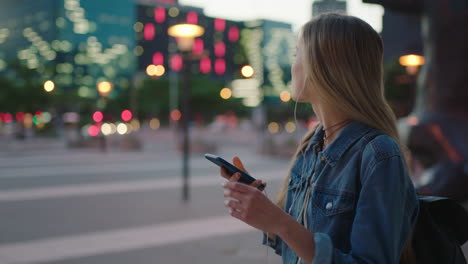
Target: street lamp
(185, 35)
(412, 63)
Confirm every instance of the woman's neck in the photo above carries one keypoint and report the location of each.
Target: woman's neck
(333, 121)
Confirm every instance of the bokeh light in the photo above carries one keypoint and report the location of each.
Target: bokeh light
(225, 93)
(159, 14)
(176, 62)
(151, 70)
(247, 71)
(412, 60)
(7, 118)
(285, 96)
(122, 129)
(220, 66)
(106, 129)
(49, 86)
(98, 116)
(290, 127)
(149, 31)
(93, 130)
(126, 115)
(233, 34)
(154, 124)
(273, 127)
(205, 65)
(20, 117)
(176, 115)
(104, 88)
(158, 58)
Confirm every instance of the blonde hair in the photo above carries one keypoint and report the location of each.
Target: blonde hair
(343, 66)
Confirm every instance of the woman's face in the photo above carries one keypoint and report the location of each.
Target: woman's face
(298, 75)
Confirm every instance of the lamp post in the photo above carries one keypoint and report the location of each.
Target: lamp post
(104, 88)
(185, 35)
(412, 63)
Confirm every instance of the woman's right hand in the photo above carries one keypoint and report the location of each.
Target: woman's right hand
(236, 176)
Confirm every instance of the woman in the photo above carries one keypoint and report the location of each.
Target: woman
(348, 197)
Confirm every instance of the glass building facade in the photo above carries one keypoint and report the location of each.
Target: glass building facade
(75, 43)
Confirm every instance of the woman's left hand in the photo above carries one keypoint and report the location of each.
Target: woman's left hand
(252, 207)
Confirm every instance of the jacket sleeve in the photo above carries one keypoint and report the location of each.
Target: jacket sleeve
(385, 214)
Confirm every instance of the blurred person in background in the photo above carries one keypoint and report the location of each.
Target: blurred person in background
(348, 197)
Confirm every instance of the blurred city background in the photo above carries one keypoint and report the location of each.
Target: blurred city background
(106, 110)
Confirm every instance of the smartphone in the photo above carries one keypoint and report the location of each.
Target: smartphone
(231, 169)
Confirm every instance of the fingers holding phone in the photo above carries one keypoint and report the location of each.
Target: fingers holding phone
(235, 172)
(236, 176)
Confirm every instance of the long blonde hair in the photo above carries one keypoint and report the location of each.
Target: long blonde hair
(343, 65)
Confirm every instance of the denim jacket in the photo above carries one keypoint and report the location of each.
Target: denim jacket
(356, 197)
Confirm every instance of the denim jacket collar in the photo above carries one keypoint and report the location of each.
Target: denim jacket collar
(347, 136)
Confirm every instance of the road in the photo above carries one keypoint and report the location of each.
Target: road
(84, 206)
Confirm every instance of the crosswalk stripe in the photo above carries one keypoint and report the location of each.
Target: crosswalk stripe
(117, 187)
(76, 246)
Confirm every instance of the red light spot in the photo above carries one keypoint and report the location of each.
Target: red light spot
(220, 49)
(98, 116)
(219, 24)
(176, 115)
(192, 17)
(205, 65)
(158, 58)
(176, 62)
(93, 130)
(126, 115)
(1, 117)
(7, 118)
(149, 31)
(233, 34)
(159, 14)
(198, 46)
(19, 117)
(412, 120)
(38, 113)
(220, 66)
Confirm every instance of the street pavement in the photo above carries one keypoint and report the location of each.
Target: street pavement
(64, 205)
(79, 206)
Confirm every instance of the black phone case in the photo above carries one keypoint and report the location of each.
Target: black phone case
(231, 169)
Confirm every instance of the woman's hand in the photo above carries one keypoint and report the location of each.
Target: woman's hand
(252, 207)
(235, 177)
